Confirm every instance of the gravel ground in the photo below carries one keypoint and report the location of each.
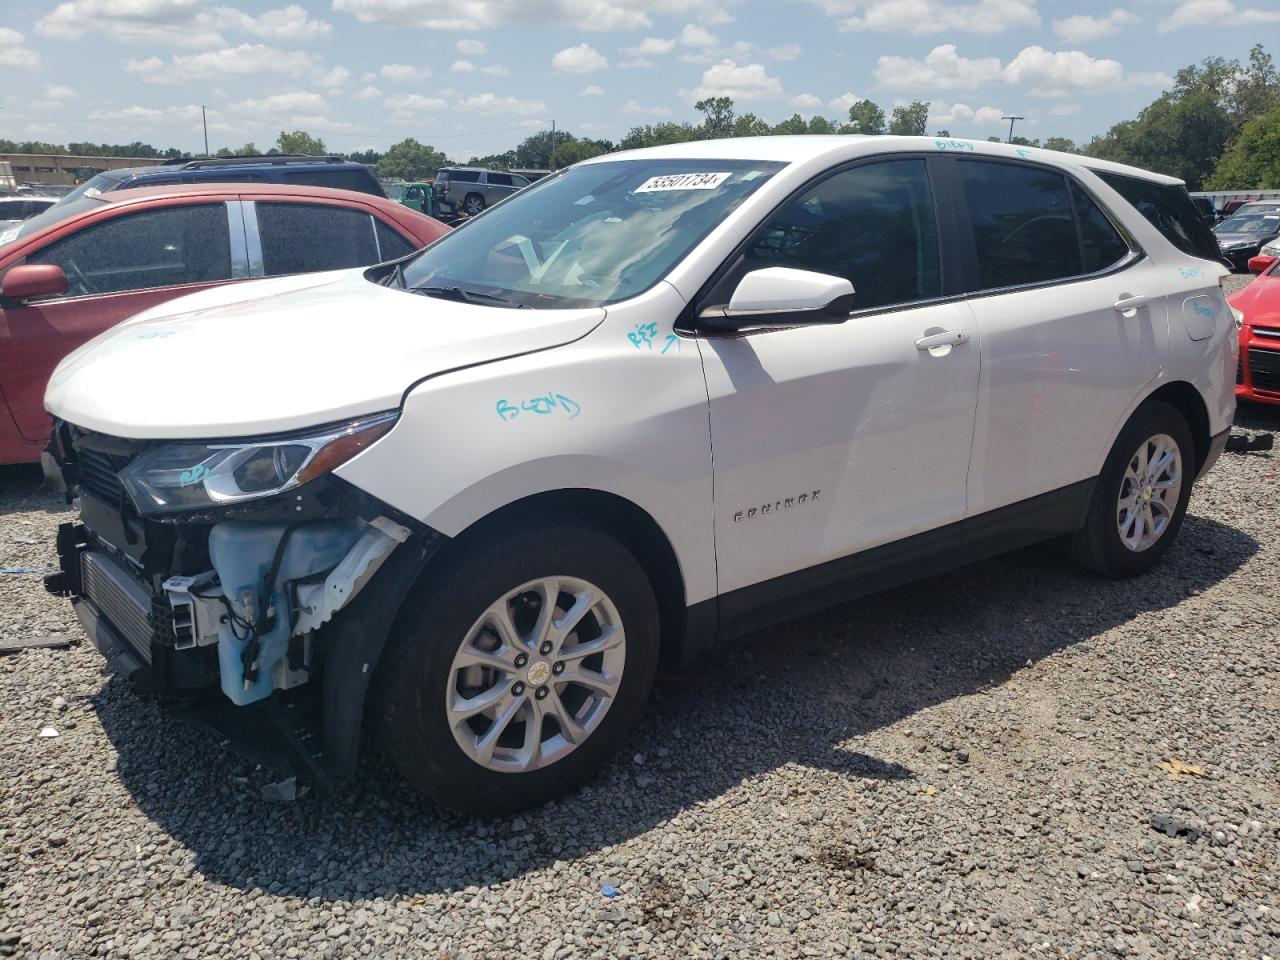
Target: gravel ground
(971, 775)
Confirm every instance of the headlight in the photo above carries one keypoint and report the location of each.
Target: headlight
(1271, 250)
(192, 476)
(1235, 244)
(1237, 315)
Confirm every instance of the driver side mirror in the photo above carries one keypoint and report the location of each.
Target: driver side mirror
(33, 280)
(780, 297)
(1261, 263)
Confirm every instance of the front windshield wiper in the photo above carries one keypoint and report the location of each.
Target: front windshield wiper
(396, 274)
(467, 296)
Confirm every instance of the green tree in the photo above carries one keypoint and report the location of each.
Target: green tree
(820, 125)
(866, 117)
(659, 134)
(749, 125)
(793, 125)
(370, 157)
(911, 120)
(1253, 160)
(1065, 144)
(943, 133)
(567, 154)
(411, 160)
(301, 142)
(718, 114)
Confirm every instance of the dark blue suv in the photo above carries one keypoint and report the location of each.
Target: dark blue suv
(303, 171)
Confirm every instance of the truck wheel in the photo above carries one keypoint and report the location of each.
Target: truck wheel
(473, 204)
(1141, 495)
(519, 668)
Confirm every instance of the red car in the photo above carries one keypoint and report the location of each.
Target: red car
(1258, 372)
(82, 266)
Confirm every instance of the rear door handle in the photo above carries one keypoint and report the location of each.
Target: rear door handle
(948, 338)
(1127, 303)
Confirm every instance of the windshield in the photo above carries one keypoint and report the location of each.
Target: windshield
(94, 186)
(64, 208)
(1251, 223)
(594, 235)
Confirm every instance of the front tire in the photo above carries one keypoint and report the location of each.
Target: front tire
(1141, 495)
(519, 667)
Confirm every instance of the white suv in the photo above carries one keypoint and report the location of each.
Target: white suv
(471, 499)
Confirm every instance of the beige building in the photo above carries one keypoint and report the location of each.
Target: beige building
(52, 168)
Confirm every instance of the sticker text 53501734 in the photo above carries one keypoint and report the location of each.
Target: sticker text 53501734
(682, 181)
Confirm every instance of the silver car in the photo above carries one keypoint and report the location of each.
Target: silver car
(470, 189)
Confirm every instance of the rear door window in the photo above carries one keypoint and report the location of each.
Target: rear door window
(391, 245)
(500, 179)
(1169, 209)
(465, 176)
(306, 237)
(139, 251)
(1033, 225)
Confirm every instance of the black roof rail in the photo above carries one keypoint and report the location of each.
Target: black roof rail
(202, 163)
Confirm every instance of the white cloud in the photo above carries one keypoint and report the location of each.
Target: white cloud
(1048, 74)
(491, 103)
(405, 73)
(941, 69)
(651, 47)
(495, 70)
(695, 36)
(283, 103)
(844, 102)
(12, 51)
(139, 116)
(472, 48)
(1084, 28)
(1065, 109)
(246, 60)
(1195, 13)
(291, 23)
(177, 23)
(943, 115)
(583, 58)
(407, 106)
(595, 15)
(632, 107)
(930, 16)
(788, 51)
(805, 101)
(368, 93)
(59, 92)
(727, 79)
(337, 77)
(635, 63)
(462, 66)
(1150, 78)
(591, 90)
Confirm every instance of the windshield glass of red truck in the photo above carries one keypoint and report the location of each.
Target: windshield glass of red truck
(596, 234)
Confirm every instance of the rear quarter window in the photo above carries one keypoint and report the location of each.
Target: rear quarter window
(359, 180)
(1168, 208)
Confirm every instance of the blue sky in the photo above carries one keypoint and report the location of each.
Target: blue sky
(475, 76)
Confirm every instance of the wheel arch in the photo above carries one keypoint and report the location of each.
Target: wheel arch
(633, 527)
(1186, 399)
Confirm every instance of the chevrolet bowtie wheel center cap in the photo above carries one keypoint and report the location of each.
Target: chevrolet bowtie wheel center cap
(539, 673)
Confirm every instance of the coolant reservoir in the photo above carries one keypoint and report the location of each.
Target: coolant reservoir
(242, 553)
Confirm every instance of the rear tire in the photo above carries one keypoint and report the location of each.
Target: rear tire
(473, 204)
(1141, 495)
(454, 647)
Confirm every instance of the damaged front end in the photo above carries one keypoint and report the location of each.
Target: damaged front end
(239, 574)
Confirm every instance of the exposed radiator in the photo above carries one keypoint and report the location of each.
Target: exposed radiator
(122, 599)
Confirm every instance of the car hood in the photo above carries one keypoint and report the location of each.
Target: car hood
(1259, 302)
(270, 356)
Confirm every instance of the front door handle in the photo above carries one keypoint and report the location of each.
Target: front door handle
(1129, 303)
(948, 338)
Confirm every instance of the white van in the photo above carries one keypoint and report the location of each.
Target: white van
(469, 500)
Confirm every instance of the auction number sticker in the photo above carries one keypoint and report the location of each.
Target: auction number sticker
(682, 181)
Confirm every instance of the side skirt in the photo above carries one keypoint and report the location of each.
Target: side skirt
(923, 555)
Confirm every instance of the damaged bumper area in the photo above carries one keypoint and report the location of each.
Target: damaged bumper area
(252, 602)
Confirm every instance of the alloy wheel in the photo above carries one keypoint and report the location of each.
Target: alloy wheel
(1149, 492)
(536, 674)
